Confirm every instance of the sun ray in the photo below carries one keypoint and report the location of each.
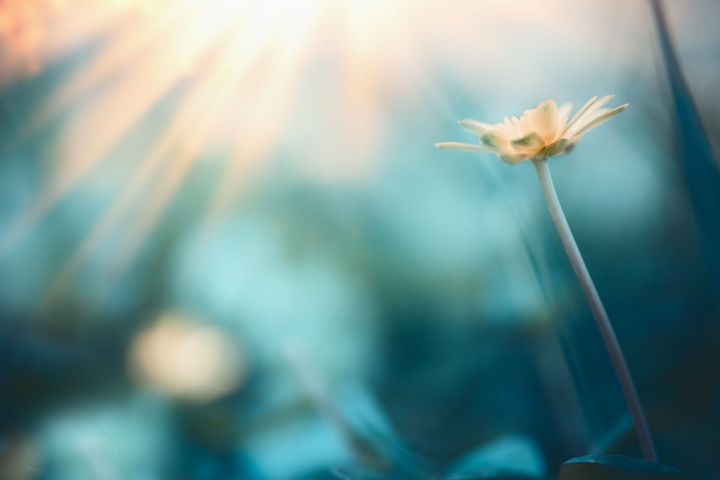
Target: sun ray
(174, 153)
(234, 74)
(212, 96)
(107, 121)
(157, 71)
(257, 136)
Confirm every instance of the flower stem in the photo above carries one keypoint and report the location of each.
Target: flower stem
(598, 310)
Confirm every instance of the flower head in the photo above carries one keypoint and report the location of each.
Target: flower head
(542, 132)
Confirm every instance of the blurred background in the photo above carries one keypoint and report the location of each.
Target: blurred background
(229, 249)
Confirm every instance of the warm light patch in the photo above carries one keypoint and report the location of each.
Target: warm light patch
(185, 359)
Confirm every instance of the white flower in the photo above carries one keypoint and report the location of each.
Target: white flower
(540, 133)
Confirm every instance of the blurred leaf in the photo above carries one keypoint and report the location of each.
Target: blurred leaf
(505, 458)
(488, 475)
(616, 467)
(359, 473)
(700, 167)
(365, 429)
(374, 433)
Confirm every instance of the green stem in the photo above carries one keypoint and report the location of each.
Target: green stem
(598, 310)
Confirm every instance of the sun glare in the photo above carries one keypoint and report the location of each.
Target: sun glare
(231, 68)
(230, 79)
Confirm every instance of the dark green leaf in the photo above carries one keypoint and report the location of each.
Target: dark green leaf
(488, 475)
(617, 467)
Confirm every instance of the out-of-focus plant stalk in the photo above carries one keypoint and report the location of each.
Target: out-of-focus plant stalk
(598, 310)
(699, 165)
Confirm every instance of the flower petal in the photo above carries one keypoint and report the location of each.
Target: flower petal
(464, 147)
(587, 116)
(564, 114)
(580, 113)
(601, 118)
(543, 120)
(475, 127)
(502, 133)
